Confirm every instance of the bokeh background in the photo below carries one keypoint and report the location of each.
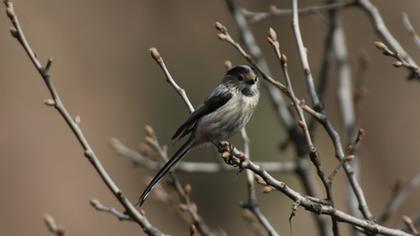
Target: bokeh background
(104, 73)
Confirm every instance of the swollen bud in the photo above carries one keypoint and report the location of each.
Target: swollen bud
(144, 150)
(407, 220)
(155, 54)
(49, 102)
(222, 36)
(10, 13)
(77, 119)
(183, 207)
(188, 189)
(397, 64)
(149, 131)
(267, 189)
(272, 34)
(14, 32)
(350, 157)
(379, 45)
(283, 59)
(228, 64)
(220, 27)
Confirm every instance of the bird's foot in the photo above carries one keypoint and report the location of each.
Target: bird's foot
(225, 146)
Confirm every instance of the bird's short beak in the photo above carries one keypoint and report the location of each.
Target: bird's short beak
(250, 81)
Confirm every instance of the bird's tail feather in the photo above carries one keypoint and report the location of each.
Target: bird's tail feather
(166, 168)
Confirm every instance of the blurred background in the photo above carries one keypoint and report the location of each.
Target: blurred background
(104, 73)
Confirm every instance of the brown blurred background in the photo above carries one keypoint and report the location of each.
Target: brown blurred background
(104, 73)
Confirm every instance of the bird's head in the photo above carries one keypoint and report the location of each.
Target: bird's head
(241, 77)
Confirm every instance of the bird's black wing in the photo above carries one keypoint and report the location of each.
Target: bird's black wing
(211, 104)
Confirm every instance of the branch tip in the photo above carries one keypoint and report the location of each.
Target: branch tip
(380, 45)
(49, 102)
(220, 27)
(155, 54)
(149, 131)
(272, 34)
(228, 64)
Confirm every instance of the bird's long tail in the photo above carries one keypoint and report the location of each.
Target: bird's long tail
(166, 168)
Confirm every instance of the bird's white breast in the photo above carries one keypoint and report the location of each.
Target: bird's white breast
(229, 119)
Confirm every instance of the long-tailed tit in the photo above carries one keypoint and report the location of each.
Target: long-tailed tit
(225, 112)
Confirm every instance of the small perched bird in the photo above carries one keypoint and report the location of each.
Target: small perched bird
(225, 112)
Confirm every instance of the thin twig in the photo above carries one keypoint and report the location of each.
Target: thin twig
(410, 225)
(317, 206)
(398, 198)
(346, 106)
(309, 203)
(255, 17)
(251, 204)
(197, 167)
(313, 153)
(186, 205)
(339, 151)
(415, 219)
(280, 107)
(52, 226)
(181, 92)
(100, 207)
(409, 27)
(382, 31)
(363, 206)
(17, 33)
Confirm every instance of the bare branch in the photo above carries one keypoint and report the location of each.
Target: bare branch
(181, 92)
(255, 17)
(199, 167)
(186, 205)
(59, 106)
(410, 225)
(52, 226)
(316, 205)
(280, 107)
(382, 31)
(313, 154)
(99, 207)
(251, 203)
(363, 206)
(409, 27)
(398, 198)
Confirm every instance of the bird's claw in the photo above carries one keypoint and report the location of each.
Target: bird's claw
(225, 146)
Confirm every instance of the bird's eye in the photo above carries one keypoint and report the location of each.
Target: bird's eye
(240, 78)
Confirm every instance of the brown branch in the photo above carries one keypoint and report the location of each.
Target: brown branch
(52, 226)
(382, 31)
(56, 102)
(255, 17)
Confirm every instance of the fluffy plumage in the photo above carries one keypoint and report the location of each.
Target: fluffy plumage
(225, 112)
